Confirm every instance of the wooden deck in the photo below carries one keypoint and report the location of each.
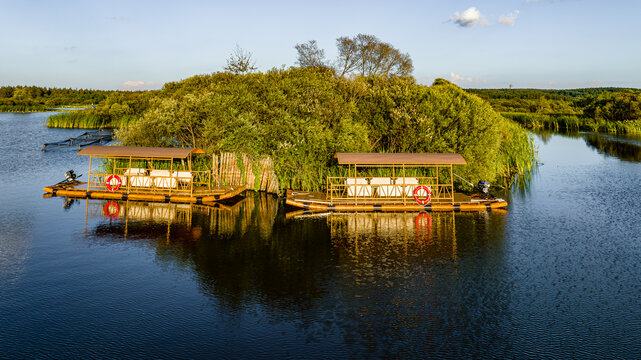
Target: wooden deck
(318, 202)
(79, 189)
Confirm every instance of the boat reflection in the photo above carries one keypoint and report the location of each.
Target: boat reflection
(175, 221)
(252, 256)
(405, 234)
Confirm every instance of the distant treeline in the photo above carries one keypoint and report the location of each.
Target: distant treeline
(108, 110)
(34, 98)
(596, 109)
(117, 109)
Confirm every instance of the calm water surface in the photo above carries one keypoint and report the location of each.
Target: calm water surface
(557, 275)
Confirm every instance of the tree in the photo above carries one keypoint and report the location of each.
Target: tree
(240, 62)
(347, 55)
(370, 56)
(309, 55)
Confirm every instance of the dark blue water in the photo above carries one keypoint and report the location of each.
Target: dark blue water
(556, 276)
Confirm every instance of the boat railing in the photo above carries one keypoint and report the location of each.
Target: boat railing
(385, 189)
(151, 180)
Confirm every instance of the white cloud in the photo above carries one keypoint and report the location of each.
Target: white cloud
(459, 79)
(509, 19)
(470, 17)
(138, 85)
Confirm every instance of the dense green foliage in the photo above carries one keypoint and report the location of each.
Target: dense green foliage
(301, 117)
(619, 106)
(614, 110)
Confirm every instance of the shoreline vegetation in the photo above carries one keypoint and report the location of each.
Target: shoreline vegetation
(605, 110)
(365, 101)
(296, 119)
(301, 117)
(87, 119)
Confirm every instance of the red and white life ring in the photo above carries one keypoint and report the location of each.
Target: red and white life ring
(423, 221)
(115, 178)
(422, 201)
(111, 210)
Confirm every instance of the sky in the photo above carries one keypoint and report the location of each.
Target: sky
(132, 45)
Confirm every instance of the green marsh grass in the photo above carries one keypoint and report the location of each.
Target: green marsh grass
(560, 122)
(84, 120)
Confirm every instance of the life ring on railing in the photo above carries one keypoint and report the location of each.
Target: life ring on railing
(111, 210)
(426, 200)
(115, 178)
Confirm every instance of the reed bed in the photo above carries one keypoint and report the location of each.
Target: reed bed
(559, 122)
(23, 108)
(84, 120)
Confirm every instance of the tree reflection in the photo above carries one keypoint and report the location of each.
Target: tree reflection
(624, 149)
(379, 281)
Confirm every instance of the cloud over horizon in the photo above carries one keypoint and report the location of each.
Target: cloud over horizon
(458, 79)
(469, 18)
(139, 85)
(509, 19)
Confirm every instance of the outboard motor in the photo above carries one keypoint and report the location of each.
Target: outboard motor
(482, 190)
(70, 176)
(483, 187)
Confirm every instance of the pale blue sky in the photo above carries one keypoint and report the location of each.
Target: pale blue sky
(483, 43)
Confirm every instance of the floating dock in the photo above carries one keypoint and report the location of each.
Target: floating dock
(85, 139)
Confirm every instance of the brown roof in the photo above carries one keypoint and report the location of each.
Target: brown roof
(142, 152)
(399, 159)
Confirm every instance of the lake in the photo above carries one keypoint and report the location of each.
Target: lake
(557, 275)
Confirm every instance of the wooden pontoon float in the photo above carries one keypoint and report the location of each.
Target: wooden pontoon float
(144, 174)
(433, 192)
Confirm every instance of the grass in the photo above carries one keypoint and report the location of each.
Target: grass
(23, 108)
(83, 120)
(560, 122)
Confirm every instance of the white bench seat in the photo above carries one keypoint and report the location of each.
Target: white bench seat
(163, 179)
(131, 173)
(408, 183)
(183, 177)
(384, 187)
(358, 187)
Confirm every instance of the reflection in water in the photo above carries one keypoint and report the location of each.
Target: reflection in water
(377, 281)
(406, 285)
(235, 249)
(624, 149)
(405, 233)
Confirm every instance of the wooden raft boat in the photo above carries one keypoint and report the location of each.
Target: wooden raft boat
(433, 191)
(144, 174)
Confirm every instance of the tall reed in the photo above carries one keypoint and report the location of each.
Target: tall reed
(560, 122)
(83, 120)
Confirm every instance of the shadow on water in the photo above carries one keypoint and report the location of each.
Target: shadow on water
(626, 149)
(233, 248)
(378, 282)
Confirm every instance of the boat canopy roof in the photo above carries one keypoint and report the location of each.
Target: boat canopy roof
(400, 159)
(139, 152)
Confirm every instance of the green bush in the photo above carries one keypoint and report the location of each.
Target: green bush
(302, 117)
